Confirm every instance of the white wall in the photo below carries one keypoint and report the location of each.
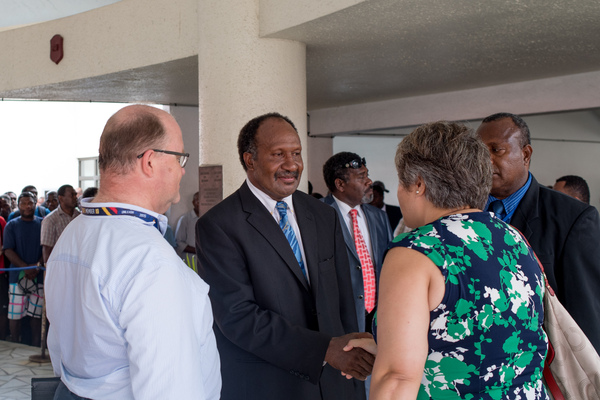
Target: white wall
(379, 154)
(551, 159)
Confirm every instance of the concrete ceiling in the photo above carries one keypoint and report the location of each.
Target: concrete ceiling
(386, 49)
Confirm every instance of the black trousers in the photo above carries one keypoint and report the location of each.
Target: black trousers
(63, 393)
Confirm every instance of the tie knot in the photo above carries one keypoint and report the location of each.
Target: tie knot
(497, 207)
(281, 207)
(353, 213)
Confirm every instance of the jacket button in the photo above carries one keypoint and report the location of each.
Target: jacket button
(358, 267)
(360, 297)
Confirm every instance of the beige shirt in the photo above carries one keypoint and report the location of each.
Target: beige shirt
(54, 224)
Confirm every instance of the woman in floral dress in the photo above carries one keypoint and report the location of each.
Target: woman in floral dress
(460, 301)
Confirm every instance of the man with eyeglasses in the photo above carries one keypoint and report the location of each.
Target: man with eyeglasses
(128, 319)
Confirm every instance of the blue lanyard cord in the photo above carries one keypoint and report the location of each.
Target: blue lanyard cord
(120, 211)
(22, 268)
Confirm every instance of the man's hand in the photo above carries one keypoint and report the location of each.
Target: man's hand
(356, 362)
(31, 273)
(366, 344)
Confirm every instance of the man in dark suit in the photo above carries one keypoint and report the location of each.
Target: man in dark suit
(393, 212)
(564, 232)
(275, 260)
(347, 178)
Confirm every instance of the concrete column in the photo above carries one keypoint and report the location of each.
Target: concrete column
(242, 76)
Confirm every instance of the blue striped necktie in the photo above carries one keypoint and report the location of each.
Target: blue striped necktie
(288, 231)
(497, 207)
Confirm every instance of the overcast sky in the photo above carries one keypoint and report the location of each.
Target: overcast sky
(41, 141)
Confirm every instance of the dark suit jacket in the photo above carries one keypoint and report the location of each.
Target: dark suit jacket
(565, 234)
(272, 329)
(394, 215)
(380, 234)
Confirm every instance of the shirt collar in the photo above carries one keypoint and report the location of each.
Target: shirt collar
(62, 212)
(511, 202)
(267, 201)
(345, 208)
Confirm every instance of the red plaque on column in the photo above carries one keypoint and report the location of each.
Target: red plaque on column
(56, 48)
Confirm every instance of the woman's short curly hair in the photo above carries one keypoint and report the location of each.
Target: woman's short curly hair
(451, 160)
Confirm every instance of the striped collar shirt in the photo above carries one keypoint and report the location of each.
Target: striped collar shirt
(511, 202)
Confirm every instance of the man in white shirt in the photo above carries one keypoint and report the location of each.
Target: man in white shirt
(127, 318)
(185, 234)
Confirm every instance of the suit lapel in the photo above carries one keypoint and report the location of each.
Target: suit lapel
(372, 227)
(308, 230)
(347, 235)
(527, 211)
(265, 224)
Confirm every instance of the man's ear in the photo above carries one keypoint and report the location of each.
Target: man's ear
(339, 184)
(148, 163)
(249, 161)
(527, 152)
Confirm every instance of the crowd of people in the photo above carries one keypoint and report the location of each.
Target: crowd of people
(277, 294)
(30, 227)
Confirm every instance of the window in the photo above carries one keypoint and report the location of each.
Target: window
(88, 173)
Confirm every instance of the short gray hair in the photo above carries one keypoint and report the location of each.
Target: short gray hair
(452, 161)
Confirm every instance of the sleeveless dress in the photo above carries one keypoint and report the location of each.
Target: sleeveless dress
(485, 338)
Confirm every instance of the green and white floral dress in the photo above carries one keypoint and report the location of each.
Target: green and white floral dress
(485, 338)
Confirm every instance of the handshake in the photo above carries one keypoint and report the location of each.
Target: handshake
(353, 354)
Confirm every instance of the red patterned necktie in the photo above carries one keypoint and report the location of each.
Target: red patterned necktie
(367, 265)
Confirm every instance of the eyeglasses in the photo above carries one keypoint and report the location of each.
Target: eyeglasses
(354, 164)
(181, 157)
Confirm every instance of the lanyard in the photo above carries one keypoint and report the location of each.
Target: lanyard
(120, 211)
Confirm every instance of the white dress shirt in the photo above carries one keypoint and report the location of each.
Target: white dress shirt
(128, 319)
(270, 205)
(362, 223)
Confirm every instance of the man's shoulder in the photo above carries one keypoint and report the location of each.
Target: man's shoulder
(311, 203)
(19, 222)
(560, 202)
(370, 209)
(53, 216)
(392, 208)
(227, 207)
(553, 207)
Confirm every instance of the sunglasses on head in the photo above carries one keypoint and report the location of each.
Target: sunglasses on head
(355, 164)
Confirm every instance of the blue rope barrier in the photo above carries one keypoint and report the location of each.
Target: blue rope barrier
(22, 268)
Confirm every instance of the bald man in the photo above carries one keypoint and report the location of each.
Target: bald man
(128, 318)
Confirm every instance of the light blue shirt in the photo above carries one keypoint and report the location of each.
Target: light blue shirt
(128, 319)
(511, 202)
(270, 205)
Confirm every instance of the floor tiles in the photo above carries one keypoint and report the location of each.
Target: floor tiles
(16, 370)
